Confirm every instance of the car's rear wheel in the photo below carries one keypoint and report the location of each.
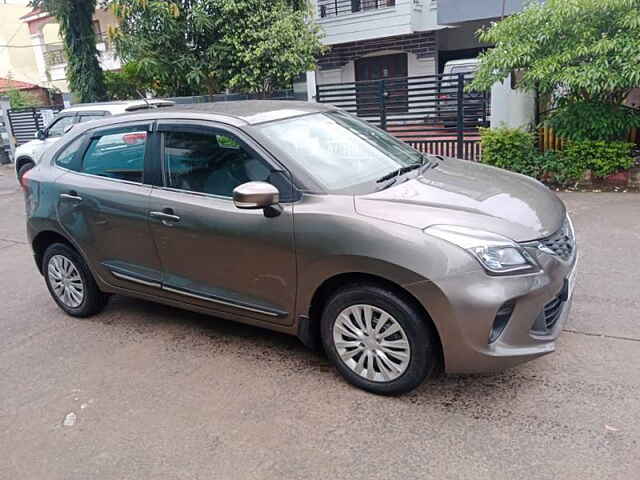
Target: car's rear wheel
(70, 282)
(378, 340)
(24, 169)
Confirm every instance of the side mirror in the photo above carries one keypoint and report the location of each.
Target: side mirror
(255, 195)
(40, 134)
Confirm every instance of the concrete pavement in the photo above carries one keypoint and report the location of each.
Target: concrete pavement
(162, 393)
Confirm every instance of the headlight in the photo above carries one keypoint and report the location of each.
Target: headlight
(497, 254)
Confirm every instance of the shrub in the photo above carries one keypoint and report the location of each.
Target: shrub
(20, 99)
(563, 169)
(512, 149)
(602, 158)
(593, 121)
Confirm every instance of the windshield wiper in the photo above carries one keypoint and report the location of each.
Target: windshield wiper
(400, 171)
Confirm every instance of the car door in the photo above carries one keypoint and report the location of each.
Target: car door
(103, 205)
(238, 262)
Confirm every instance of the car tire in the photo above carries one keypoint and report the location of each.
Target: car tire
(24, 169)
(70, 282)
(391, 372)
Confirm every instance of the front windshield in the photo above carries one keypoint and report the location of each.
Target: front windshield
(340, 151)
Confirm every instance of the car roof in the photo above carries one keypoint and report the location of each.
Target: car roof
(252, 111)
(237, 113)
(118, 107)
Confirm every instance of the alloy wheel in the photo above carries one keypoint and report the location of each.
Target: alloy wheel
(65, 281)
(371, 343)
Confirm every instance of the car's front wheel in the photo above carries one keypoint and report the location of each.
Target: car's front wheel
(70, 282)
(378, 340)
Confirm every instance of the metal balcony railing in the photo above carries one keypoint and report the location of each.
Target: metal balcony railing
(335, 8)
(56, 57)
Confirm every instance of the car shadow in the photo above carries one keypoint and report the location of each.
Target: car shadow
(488, 396)
(187, 329)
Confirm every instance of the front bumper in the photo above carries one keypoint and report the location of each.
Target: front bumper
(464, 309)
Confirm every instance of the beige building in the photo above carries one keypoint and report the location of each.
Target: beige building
(17, 57)
(47, 47)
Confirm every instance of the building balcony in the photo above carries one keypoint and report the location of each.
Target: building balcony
(56, 59)
(53, 58)
(336, 8)
(345, 21)
(452, 12)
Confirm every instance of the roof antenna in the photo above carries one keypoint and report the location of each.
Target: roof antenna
(144, 99)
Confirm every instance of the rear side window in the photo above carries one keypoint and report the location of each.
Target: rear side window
(118, 155)
(66, 157)
(90, 117)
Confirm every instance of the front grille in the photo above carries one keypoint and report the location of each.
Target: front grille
(562, 243)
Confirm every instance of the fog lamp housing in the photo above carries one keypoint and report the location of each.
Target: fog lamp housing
(501, 320)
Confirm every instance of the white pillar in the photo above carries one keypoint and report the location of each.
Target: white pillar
(311, 86)
(37, 40)
(511, 108)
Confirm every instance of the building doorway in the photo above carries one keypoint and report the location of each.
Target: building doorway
(390, 68)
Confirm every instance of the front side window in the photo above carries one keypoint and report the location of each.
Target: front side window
(209, 163)
(66, 157)
(57, 128)
(118, 155)
(341, 152)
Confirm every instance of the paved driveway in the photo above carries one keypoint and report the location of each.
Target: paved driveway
(161, 393)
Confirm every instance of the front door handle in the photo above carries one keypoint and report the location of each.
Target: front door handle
(166, 216)
(71, 196)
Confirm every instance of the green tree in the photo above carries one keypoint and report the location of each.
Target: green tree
(587, 48)
(168, 42)
(582, 53)
(20, 99)
(189, 47)
(128, 83)
(263, 46)
(75, 18)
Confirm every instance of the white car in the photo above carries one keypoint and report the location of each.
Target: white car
(474, 103)
(27, 155)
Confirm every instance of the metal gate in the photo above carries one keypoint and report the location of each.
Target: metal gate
(25, 122)
(432, 113)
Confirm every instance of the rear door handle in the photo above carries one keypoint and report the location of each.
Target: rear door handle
(71, 196)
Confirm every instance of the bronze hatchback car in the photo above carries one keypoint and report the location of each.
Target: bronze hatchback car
(303, 219)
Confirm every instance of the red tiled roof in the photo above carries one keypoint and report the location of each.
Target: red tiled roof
(7, 84)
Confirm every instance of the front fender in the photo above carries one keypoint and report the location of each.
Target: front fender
(317, 273)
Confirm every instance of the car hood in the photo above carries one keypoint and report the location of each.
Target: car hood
(464, 193)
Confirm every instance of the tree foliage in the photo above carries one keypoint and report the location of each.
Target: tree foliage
(262, 46)
(20, 99)
(167, 41)
(75, 18)
(588, 49)
(189, 47)
(128, 83)
(583, 121)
